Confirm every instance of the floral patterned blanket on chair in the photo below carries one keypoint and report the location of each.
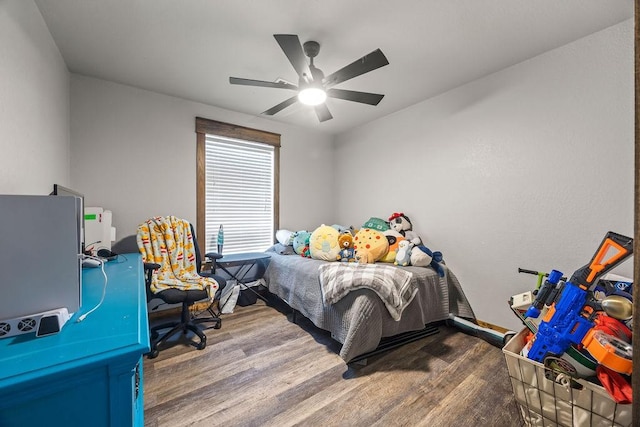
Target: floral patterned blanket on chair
(168, 241)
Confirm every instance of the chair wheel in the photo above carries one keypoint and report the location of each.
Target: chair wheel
(201, 345)
(217, 325)
(153, 354)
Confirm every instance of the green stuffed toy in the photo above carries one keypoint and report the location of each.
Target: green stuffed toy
(301, 243)
(378, 224)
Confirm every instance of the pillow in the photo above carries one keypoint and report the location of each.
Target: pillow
(323, 243)
(370, 245)
(285, 237)
(281, 249)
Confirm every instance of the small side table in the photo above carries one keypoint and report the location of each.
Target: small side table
(240, 267)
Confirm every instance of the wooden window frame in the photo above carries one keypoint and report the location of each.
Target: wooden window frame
(213, 127)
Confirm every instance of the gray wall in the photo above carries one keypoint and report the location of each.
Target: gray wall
(134, 153)
(34, 103)
(528, 167)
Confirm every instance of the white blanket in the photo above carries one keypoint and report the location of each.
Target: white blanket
(392, 284)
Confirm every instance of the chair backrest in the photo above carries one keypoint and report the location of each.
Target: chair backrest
(128, 245)
(196, 248)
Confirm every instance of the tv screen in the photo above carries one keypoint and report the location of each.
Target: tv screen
(59, 190)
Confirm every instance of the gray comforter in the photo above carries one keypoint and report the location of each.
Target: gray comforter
(360, 319)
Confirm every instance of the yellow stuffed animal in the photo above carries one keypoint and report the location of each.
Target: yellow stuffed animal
(394, 238)
(370, 245)
(323, 243)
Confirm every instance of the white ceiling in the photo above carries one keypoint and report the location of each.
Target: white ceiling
(190, 48)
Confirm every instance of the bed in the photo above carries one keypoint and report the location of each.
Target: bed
(360, 320)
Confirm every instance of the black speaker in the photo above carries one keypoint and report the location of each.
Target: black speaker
(107, 254)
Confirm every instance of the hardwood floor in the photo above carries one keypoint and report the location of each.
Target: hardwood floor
(260, 369)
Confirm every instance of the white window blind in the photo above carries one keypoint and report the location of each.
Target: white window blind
(239, 194)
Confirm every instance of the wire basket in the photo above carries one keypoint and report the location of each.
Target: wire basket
(549, 398)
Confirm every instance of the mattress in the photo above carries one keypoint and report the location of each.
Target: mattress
(360, 319)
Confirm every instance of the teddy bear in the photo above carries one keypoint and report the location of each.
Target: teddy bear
(402, 224)
(403, 256)
(347, 253)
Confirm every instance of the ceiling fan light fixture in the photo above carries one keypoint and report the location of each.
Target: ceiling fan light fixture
(312, 81)
(312, 96)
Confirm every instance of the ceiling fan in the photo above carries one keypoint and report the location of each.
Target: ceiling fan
(313, 87)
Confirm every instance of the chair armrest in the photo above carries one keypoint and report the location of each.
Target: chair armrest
(151, 266)
(213, 255)
(222, 282)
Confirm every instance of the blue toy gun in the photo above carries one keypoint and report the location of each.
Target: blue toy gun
(546, 294)
(568, 319)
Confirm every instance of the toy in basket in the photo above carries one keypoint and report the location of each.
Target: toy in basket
(573, 331)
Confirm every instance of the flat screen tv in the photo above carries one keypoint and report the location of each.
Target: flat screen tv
(59, 190)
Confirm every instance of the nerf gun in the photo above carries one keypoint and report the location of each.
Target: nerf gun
(527, 306)
(546, 293)
(568, 320)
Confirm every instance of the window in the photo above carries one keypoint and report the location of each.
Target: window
(237, 186)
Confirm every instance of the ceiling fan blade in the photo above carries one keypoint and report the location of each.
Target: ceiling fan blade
(370, 62)
(323, 113)
(262, 83)
(352, 95)
(284, 104)
(290, 44)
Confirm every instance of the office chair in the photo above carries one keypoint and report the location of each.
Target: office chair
(177, 296)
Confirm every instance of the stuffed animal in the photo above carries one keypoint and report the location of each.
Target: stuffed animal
(301, 242)
(342, 229)
(376, 224)
(370, 245)
(285, 237)
(323, 243)
(402, 224)
(421, 256)
(394, 239)
(306, 252)
(403, 256)
(347, 253)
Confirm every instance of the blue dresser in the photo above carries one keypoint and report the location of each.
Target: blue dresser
(90, 373)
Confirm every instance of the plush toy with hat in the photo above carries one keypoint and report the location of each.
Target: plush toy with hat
(402, 224)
